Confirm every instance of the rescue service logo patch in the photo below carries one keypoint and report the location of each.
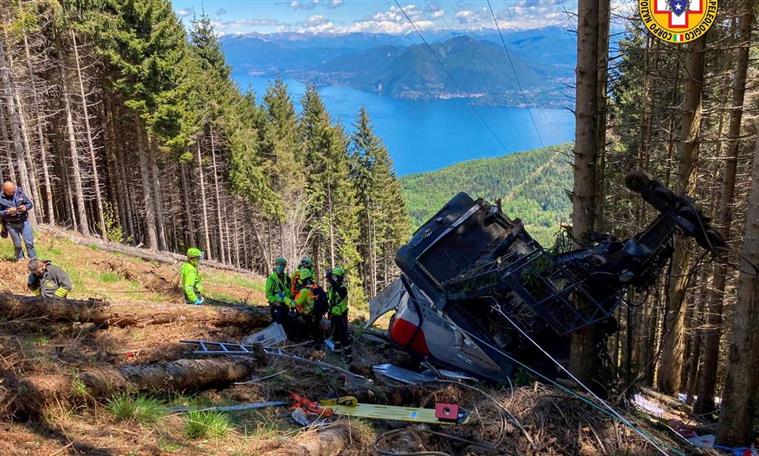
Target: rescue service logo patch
(678, 21)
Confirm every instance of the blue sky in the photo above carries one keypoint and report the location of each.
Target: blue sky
(378, 16)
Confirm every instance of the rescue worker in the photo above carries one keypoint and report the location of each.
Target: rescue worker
(337, 301)
(310, 305)
(14, 218)
(190, 277)
(278, 292)
(306, 264)
(48, 280)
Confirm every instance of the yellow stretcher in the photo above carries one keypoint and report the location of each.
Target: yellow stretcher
(441, 414)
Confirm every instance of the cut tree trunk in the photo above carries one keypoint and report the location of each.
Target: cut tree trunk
(17, 306)
(14, 306)
(31, 396)
(168, 377)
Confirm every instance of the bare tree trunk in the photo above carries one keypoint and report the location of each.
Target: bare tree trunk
(6, 140)
(189, 221)
(708, 377)
(76, 173)
(237, 233)
(741, 382)
(147, 188)
(218, 198)
(16, 130)
(40, 136)
(583, 359)
(90, 142)
(671, 365)
(157, 195)
(202, 195)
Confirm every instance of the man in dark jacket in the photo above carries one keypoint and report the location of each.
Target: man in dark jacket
(48, 280)
(14, 215)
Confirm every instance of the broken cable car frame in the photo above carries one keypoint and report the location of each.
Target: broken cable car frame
(470, 271)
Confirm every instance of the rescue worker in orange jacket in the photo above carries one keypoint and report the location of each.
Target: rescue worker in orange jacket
(309, 305)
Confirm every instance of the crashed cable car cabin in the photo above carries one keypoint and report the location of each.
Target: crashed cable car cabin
(475, 287)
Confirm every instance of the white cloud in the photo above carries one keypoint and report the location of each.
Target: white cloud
(246, 25)
(184, 12)
(316, 24)
(335, 3)
(304, 4)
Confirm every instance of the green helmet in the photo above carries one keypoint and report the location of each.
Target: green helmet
(307, 262)
(194, 252)
(280, 262)
(304, 274)
(338, 271)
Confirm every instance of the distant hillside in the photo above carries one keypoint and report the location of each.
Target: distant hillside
(402, 67)
(478, 67)
(532, 185)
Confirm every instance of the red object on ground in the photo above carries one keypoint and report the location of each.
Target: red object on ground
(309, 406)
(447, 412)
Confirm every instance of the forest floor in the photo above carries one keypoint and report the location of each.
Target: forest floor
(45, 408)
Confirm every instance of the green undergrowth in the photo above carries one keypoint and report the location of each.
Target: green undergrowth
(140, 409)
(206, 425)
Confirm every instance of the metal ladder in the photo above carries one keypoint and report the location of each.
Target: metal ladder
(208, 347)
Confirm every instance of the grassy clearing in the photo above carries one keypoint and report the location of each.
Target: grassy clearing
(202, 425)
(140, 409)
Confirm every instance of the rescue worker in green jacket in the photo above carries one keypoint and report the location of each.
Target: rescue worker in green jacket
(306, 264)
(310, 305)
(190, 277)
(337, 302)
(278, 292)
(48, 280)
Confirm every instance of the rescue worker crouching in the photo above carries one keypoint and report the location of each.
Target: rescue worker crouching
(337, 301)
(309, 305)
(48, 280)
(190, 277)
(278, 293)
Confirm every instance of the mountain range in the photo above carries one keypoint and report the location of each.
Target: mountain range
(404, 67)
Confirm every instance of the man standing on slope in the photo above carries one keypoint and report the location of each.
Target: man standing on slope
(14, 216)
(48, 280)
(278, 292)
(190, 277)
(337, 300)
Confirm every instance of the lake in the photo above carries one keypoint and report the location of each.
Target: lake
(431, 134)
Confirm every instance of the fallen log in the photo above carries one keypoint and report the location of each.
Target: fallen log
(14, 306)
(326, 442)
(19, 306)
(167, 377)
(30, 396)
(244, 317)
